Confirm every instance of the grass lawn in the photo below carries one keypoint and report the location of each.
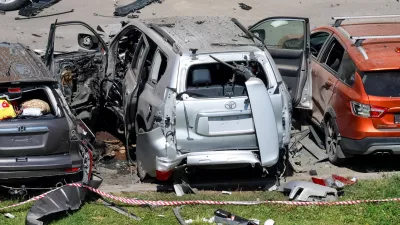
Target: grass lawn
(382, 213)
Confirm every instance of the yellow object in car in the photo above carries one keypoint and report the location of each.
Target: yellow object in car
(6, 110)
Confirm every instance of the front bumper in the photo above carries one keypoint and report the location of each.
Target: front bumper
(370, 145)
(39, 166)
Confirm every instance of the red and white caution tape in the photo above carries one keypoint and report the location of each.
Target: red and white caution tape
(130, 201)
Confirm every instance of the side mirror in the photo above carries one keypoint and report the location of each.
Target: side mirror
(87, 41)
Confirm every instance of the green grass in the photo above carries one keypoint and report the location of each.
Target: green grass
(382, 213)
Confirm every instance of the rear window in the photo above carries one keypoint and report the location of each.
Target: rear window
(216, 80)
(382, 83)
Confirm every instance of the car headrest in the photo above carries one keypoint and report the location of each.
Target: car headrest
(201, 77)
(335, 65)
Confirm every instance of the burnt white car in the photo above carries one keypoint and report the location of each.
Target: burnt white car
(192, 91)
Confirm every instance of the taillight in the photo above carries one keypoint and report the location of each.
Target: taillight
(14, 90)
(364, 110)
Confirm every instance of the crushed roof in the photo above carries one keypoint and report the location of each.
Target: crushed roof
(207, 34)
(17, 64)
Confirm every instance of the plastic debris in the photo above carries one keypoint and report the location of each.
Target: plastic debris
(226, 192)
(9, 215)
(269, 222)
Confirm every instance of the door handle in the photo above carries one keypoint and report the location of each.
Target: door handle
(328, 84)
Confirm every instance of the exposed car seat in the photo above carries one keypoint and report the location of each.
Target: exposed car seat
(200, 83)
(335, 65)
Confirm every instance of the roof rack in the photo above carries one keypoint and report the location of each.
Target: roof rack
(359, 39)
(340, 19)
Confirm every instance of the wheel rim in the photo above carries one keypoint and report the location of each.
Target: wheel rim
(331, 140)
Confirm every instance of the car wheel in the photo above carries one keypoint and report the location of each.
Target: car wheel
(9, 5)
(332, 144)
(142, 174)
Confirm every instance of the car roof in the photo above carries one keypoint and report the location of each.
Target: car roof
(373, 54)
(19, 64)
(206, 34)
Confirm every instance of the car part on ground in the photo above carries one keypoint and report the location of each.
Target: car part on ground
(132, 7)
(9, 5)
(42, 16)
(178, 215)
(227, 218)
(307, 191)
(36, 6)
(118, 209)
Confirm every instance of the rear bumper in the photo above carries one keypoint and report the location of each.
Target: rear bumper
(371, 145)
(39, 166)
(208, 158)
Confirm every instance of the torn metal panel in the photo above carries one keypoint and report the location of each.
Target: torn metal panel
(35, 7)
(132, 7)
(64, 199)
(307, 191)
(20, 64)
(264, 121)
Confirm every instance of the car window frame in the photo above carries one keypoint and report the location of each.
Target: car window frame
(150, 80)
(323, 46)
(356, 70)
(325, 51)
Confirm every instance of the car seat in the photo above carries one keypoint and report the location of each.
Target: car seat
(200, 83)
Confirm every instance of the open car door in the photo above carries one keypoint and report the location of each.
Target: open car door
(77, 57)
(288, 42)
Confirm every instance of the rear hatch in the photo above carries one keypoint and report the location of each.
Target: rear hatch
(383, 90)
(32, 135)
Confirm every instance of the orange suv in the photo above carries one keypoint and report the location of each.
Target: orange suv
(356, 87)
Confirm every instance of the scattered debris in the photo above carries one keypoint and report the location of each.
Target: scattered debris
(245, 7)
(36, 35)
(133, 7)
(133, 16)
(211, 220)
(224, 217)
(9, 215)
(307, 191)
(226, 192)
(99, 15)
(311, 147)
(118, 209)
(48, 15)
(35, 7)
(313, 173)
(178, 215)
(334, 181)
(189, 221)
(200, 22)
(269, 222)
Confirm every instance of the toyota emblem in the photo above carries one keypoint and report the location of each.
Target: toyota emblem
(230, 105)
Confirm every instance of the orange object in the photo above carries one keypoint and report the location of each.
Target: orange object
(356, 87)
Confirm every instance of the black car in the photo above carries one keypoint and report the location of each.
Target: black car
(39, 140)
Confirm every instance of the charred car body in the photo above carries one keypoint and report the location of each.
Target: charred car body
(38, 133)
(192, 91)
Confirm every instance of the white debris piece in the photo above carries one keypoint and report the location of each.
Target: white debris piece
(226, 192)
(31, 112)
(9, 215)
(189, 221)
(269, 222)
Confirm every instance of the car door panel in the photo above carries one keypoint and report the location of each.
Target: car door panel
(288, 41)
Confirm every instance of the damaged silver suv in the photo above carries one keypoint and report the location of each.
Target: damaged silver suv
(196, 91)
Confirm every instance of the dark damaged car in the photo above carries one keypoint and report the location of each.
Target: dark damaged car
(38, 132)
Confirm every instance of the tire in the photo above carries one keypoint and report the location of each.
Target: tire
(332, 144)
(12, 5)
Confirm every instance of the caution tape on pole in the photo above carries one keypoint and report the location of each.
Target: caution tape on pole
(137, 202)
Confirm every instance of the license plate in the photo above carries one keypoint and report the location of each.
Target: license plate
(397, 118)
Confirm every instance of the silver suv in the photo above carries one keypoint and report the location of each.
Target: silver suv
(200, 91)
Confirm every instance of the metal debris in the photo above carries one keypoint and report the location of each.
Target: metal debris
(245, 7)
(178, 215)
(35, 7)
(308, 191)
(132, 7)
(36, 35)
(118, 209)
(9, 215)
(48, 15)
(132, 16)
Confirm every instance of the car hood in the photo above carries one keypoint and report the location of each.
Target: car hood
(19, 64)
